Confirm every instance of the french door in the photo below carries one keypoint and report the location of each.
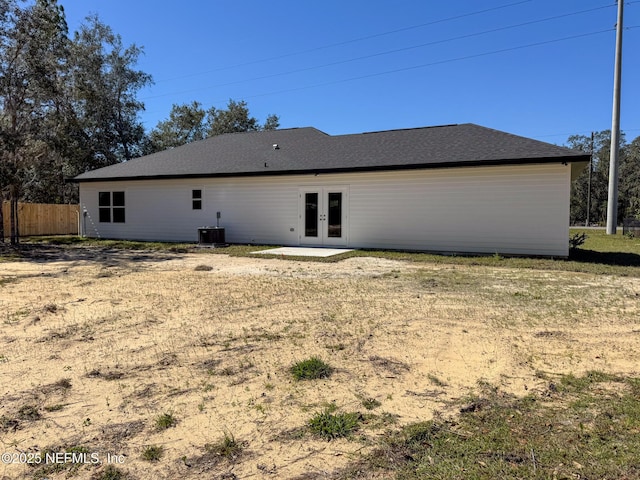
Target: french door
(323, 216)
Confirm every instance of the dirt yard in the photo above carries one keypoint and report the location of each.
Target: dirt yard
(96, 345)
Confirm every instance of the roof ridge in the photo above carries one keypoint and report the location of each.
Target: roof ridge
(403, 129)
(269, 131)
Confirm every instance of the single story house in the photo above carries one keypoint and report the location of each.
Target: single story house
(453, 188)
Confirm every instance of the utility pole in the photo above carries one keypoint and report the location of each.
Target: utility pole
(612, 203)
(589, 184)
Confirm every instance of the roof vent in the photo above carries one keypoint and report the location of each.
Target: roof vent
(276, 146)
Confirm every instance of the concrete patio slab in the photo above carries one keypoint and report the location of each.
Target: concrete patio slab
(304, 251)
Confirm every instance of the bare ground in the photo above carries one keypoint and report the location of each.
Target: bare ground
(96, 344)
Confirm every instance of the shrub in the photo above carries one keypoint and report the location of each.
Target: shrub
(576, 240)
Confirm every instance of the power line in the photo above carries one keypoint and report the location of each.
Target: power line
(347, 42)
(426, 65)
(583, 133)
(387, 52)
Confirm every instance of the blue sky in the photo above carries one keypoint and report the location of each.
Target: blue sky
(350, 66)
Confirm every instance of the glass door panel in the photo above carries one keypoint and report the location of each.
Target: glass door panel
(310, 210)
(334, 207)
(311, 214)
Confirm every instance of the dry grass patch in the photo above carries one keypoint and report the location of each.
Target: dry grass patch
(389, 365)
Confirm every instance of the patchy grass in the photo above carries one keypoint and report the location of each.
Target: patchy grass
(329, 425)
(69, 240)
(228, 447)
(61, 385)
(29, 412)
(165, 421)
(311, 369)
(370, 403)
(9, 253)
(599, 241)
(5, 281)
(389, 365)
(152, 453)
(570, 383)
(111, 473)
(436, 381)
(203, 268)
(54, 408)
(82, 454)
(600, 254)
(220, 349)
(7, 424)
(587, 428)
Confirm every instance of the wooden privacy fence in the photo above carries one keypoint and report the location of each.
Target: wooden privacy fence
(42, 219)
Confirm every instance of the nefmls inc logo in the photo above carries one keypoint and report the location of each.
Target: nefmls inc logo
(72, 457)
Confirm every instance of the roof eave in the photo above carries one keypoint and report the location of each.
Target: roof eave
(318, 171)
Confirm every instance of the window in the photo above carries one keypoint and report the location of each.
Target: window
(118, 207)
(196, 199)
(111, 207)
(104, 204)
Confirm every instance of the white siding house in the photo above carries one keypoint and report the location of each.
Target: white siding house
(511, 205)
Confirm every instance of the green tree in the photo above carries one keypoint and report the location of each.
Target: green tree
(629, 180)
(628, 184)
(104, 86)
(33, 43)
(232, 120)
(272, 122)
(184, 125)
(95, 122)
(580, 187)
(189, 122)
(66, 106)
(236, 119)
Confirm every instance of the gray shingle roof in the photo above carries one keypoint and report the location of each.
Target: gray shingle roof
(310, 150)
